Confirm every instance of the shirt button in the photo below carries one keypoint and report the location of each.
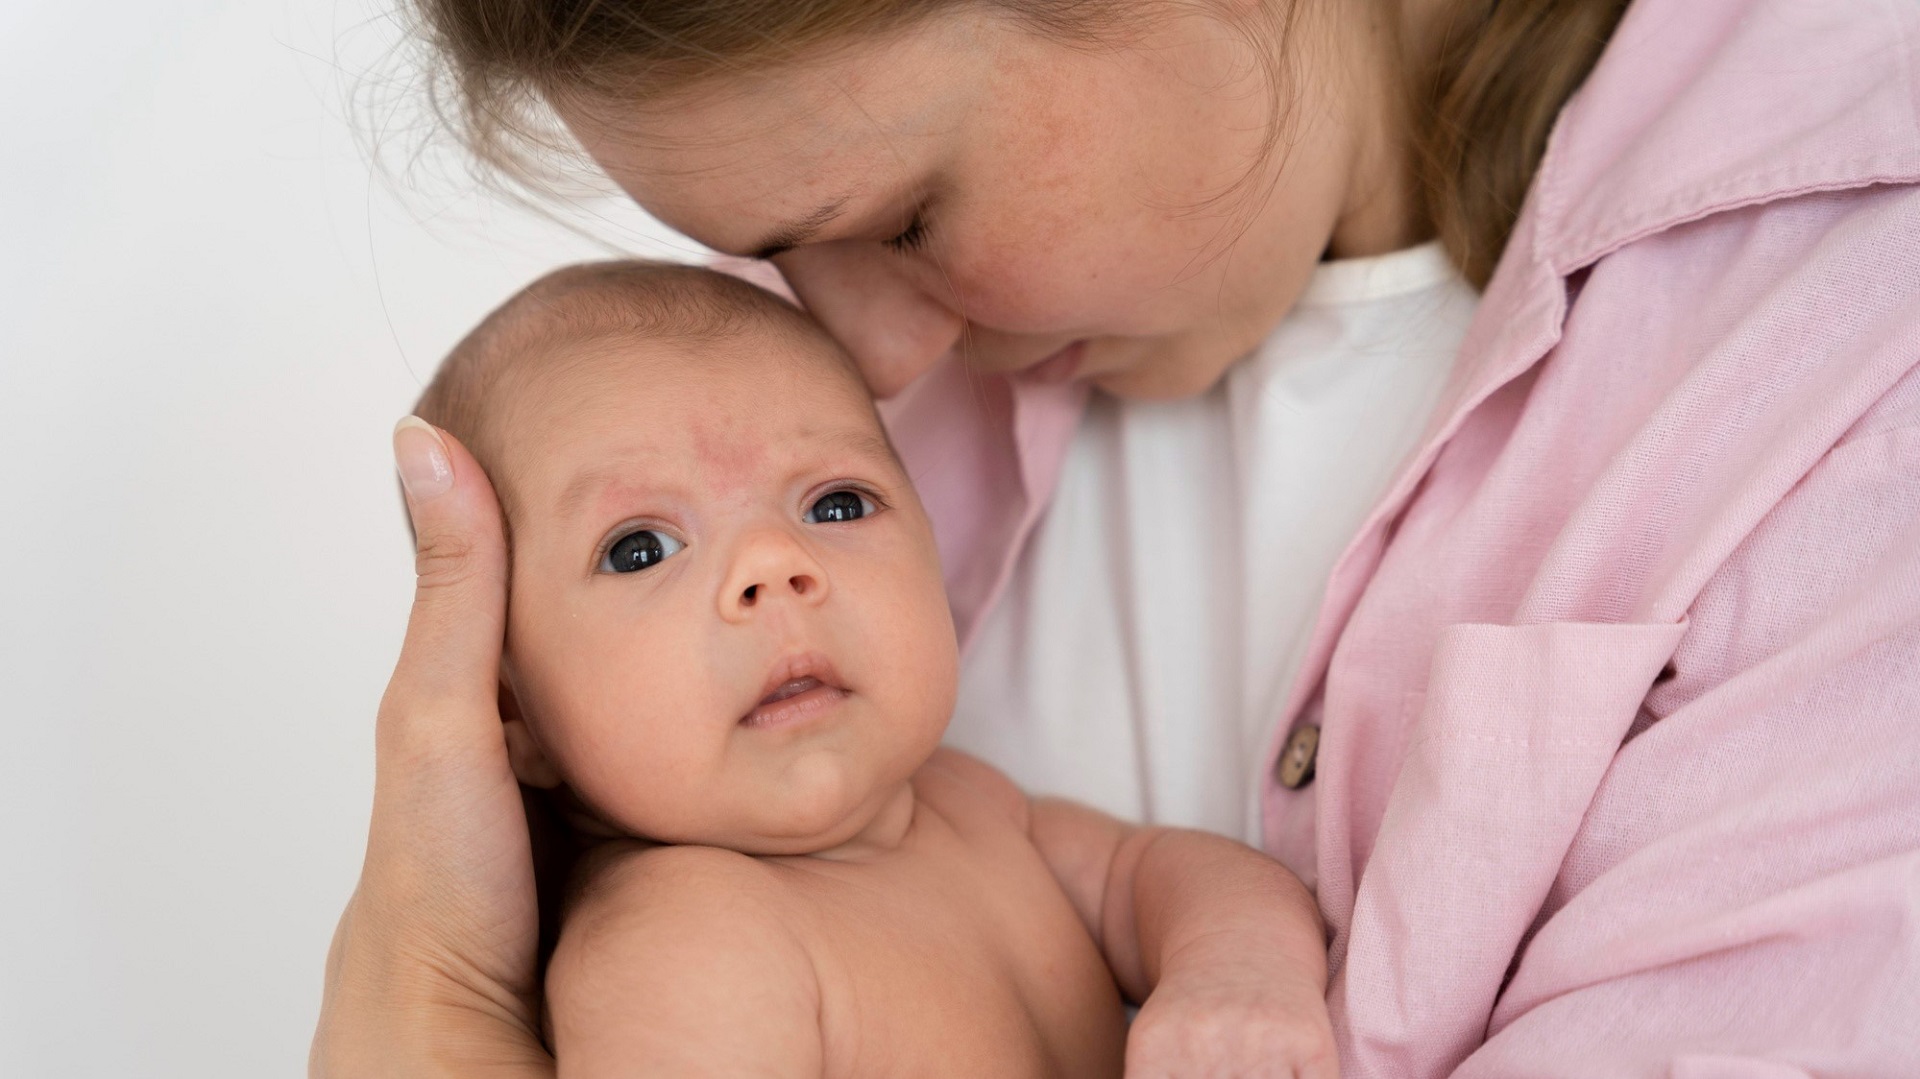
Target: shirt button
(1295, 768)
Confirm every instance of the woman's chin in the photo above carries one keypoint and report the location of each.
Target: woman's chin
(1061, 366)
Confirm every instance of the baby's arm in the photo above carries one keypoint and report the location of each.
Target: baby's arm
(1223, 945)
(676, 962)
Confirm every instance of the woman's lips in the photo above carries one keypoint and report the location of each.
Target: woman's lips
(1059, 367)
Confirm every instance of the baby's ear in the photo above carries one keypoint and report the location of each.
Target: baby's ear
(529, 761)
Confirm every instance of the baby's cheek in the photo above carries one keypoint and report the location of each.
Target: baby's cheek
(639, 735)
(647, 784)
(922, 664)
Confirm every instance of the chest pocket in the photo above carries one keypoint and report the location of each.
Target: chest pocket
(1516, 729)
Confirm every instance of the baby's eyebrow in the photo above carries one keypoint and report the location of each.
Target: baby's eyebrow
(587, 483)
(866, 443)
(870, 443)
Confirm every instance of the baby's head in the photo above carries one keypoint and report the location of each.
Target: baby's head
(726, 623)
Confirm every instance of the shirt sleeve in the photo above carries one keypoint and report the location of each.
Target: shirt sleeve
(1759, 915)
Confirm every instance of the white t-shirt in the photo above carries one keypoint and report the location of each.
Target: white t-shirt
(1152, 628)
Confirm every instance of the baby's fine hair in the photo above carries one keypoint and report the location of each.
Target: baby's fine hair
(627, 298)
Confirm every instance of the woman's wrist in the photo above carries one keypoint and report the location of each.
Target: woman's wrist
(427, 1045)
(368, 1033)
(389, 1010)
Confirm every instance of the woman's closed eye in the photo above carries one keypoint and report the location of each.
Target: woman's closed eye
(638, 550)
(910, 238)
(842, 505)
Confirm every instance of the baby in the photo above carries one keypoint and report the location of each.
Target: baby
(728, 644)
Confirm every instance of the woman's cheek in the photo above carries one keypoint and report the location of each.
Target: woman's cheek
(1021, 297)
(1079, 287)
(1013, 274)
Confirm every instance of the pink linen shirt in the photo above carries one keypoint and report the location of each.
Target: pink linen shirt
(1619, 687)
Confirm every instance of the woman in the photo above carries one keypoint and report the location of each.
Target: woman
(1600, 754)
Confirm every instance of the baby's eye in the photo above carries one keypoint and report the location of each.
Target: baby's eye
(636, 551)
(840, 506)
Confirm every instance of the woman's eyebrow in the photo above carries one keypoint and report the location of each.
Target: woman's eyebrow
(792, 235)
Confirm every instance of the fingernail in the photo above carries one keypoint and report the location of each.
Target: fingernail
(425, 470)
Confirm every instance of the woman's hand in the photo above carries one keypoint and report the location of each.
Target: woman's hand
(432, 969)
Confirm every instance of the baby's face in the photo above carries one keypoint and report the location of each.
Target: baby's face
(727, 624)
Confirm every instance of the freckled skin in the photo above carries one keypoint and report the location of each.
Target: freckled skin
(1122, 195)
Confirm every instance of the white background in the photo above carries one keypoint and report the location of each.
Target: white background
(213, 306)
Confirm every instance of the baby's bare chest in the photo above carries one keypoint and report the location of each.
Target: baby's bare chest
(961, 957)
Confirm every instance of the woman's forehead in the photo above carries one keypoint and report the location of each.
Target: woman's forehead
(753, 153)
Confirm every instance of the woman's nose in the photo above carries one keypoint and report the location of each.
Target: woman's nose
(891, 326)
(770, 568)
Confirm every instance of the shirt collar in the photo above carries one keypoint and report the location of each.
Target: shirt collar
(1699, 106)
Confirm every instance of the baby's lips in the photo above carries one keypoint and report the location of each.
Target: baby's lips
(797, 672)
(792, 688)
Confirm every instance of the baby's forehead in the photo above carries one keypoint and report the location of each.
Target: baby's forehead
(674, 325)
(758, 364)
(708, 409)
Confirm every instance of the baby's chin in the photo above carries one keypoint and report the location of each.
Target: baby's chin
(825, 809)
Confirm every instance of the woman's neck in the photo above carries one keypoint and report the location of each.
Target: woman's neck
(1387, 43)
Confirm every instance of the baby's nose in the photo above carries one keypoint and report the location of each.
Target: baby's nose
(770, 567)
(800, 584)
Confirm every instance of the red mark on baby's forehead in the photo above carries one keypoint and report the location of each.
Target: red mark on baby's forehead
(726, 450)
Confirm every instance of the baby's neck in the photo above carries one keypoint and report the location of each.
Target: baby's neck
(884, 833)
(880, 836)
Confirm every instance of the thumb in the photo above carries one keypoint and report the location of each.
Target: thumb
(449, 667)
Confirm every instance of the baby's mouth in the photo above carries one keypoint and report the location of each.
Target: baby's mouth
(803, 687)
(791, 688)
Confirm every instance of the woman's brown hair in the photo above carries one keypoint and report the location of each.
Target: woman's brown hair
(1481, 111)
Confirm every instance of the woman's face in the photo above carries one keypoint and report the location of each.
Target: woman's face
(1073, 210)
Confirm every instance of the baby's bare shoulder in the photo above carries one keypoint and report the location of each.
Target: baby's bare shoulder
(952, 780)
(671, 947)
(634, 888)
(680, 911)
